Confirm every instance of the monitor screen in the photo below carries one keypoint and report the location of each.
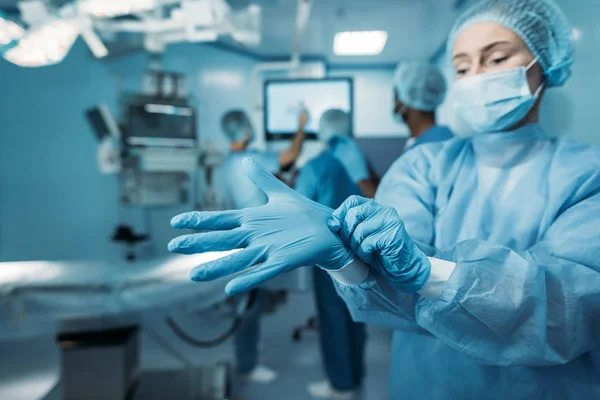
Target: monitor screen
(284, 100)
(161, 125)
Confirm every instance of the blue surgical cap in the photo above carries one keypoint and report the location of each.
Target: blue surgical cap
(419, 85)
(334, 122)
(539, 23)
(236, 126)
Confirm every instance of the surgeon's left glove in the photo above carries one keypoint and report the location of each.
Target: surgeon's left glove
(288, 232)
(377, 235)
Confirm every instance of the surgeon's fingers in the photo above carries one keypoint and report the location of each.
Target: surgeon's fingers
(367, 227)
(207, 220)
(228, 265)
(357, 216)
(210, 241)
(366, 249)
(339, 215)
(259, 274)
(264, 179)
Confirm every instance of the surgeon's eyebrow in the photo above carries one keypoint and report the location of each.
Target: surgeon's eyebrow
(499, 43)
(460, 55)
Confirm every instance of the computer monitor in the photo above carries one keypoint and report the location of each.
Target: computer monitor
(160, 125)
(284, 99)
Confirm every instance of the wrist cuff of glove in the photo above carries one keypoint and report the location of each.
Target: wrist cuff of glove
(353, 273)
(441, 271)
(414, 276)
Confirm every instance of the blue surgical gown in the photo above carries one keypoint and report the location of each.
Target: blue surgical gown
(519, 318)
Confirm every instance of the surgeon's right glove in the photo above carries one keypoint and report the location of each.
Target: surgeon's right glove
(288, 232)
(376, 234)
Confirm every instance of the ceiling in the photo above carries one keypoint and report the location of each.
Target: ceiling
(416, 28)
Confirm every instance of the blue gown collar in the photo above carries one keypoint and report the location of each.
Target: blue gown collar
(508, 149)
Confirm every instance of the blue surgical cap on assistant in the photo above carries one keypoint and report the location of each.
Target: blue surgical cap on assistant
(419, 85)
(236, 126)
(334, 122)
(539, 23)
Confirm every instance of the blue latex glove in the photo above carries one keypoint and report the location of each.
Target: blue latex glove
(376, 234)
(288, 232)
(348, 153)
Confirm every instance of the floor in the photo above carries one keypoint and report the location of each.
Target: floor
(297, 363)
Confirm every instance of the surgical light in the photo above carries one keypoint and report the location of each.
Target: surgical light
(94, 43)
(115, 8)
(9, 32)
(46, 45)
(359, 43)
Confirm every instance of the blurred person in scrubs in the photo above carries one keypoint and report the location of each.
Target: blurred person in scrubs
(481, 252)
(335, 129)
(342, 341)
(242, 193)
(419, 88)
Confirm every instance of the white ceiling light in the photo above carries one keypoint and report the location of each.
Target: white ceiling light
(9, 31)
(114, 8)
(47, 45)
(359, 43)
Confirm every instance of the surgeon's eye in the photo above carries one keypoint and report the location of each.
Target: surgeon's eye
(497, 61)
(496, 58)
(462, 71)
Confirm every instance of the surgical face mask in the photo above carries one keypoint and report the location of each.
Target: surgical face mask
(399, 114)
(495, 101)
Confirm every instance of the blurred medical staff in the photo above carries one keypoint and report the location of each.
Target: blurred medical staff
(242, 193)
(419, 88)
(481, 252)
(342, 341)
(237, 128)
(335, 128)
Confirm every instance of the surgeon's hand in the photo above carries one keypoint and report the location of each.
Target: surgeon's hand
(377, 235)
(303, 118)
(348, 153)
(288, 232)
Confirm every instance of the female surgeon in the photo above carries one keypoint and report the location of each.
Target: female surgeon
(483, 253)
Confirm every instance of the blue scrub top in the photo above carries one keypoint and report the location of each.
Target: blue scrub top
(325, 180)
(434, 134)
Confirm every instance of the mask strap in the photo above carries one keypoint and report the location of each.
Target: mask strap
(531, 64)
(539, 90)
(541, 87)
